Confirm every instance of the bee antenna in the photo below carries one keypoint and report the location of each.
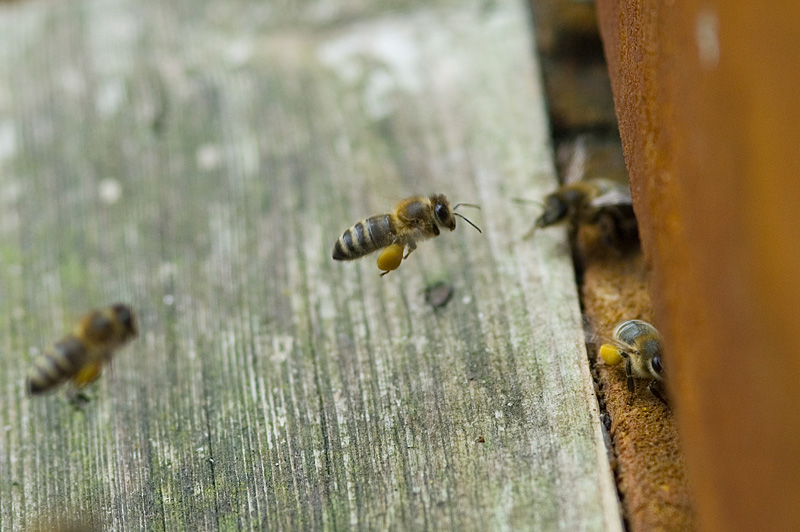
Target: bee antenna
(467, 220)
(529, 234)
(528, 201)
(541, 204)
(467, 205)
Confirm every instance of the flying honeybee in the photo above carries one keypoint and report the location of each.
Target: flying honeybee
(80, 355)
(603, 202)
(414, 219)
(639, 345)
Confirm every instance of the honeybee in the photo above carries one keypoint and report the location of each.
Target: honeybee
(69, 526)
(414, 219)
(81, 354)
(638, 344)
(598, 201)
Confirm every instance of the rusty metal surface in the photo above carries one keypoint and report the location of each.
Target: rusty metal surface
(707, 106)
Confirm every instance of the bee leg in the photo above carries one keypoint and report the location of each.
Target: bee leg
(629, 375)
(78, 399)
(630, 400)
(656, 389)
(608, 230)
(630, 382)
(573, 229)
(530, 233)
(411, 247)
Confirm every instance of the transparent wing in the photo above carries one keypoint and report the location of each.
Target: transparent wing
(617, 197)
(574, 160)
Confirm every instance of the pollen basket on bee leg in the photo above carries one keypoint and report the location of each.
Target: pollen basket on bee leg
(88, 374)
(610, 355)
(390, 258)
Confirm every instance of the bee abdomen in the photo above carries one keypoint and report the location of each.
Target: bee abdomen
(629, 331)
(58, 364)
(364, 237)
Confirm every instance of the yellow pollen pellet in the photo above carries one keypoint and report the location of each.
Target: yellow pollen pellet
(610, 354)
(391, 257)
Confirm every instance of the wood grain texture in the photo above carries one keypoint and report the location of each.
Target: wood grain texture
(198, 160)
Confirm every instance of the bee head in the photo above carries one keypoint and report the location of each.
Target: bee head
(650, 349)
(655, 367)
(442, 213)
(445, 216)
(555, 209)
(125, 316)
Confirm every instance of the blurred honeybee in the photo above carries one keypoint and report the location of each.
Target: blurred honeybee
(81, 354)
(638, 344)
(68, 526)
(603, 202)
(414, 219)
(599, 201)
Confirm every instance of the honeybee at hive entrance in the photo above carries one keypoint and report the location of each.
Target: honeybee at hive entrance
(412, 220)
(81, 355)
(601, 202)
(637, 344)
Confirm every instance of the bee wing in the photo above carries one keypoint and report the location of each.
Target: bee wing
(603, 345)
(597, 335)
(613, 198)
(591, 332)
(573, 159)
(622, 346)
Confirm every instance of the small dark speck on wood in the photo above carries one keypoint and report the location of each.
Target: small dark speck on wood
(438, 294)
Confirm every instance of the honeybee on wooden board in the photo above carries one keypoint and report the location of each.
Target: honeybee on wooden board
(637, 344)
(412, 220)
(80, 355)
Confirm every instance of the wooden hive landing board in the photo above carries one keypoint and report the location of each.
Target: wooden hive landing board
(198, 160)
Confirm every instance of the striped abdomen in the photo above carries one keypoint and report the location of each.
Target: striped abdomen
(365, 237)
(61, 362)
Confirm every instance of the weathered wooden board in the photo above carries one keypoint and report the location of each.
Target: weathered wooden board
(199, 160)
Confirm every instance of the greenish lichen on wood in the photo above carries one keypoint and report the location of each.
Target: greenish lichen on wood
(199, 160)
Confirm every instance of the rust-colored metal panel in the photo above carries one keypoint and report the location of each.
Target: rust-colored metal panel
(706, 96)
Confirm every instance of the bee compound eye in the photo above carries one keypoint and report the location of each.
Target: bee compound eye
(124, 315)
(656, 365)
(441, 212)
(101, 326)
(555, 209)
